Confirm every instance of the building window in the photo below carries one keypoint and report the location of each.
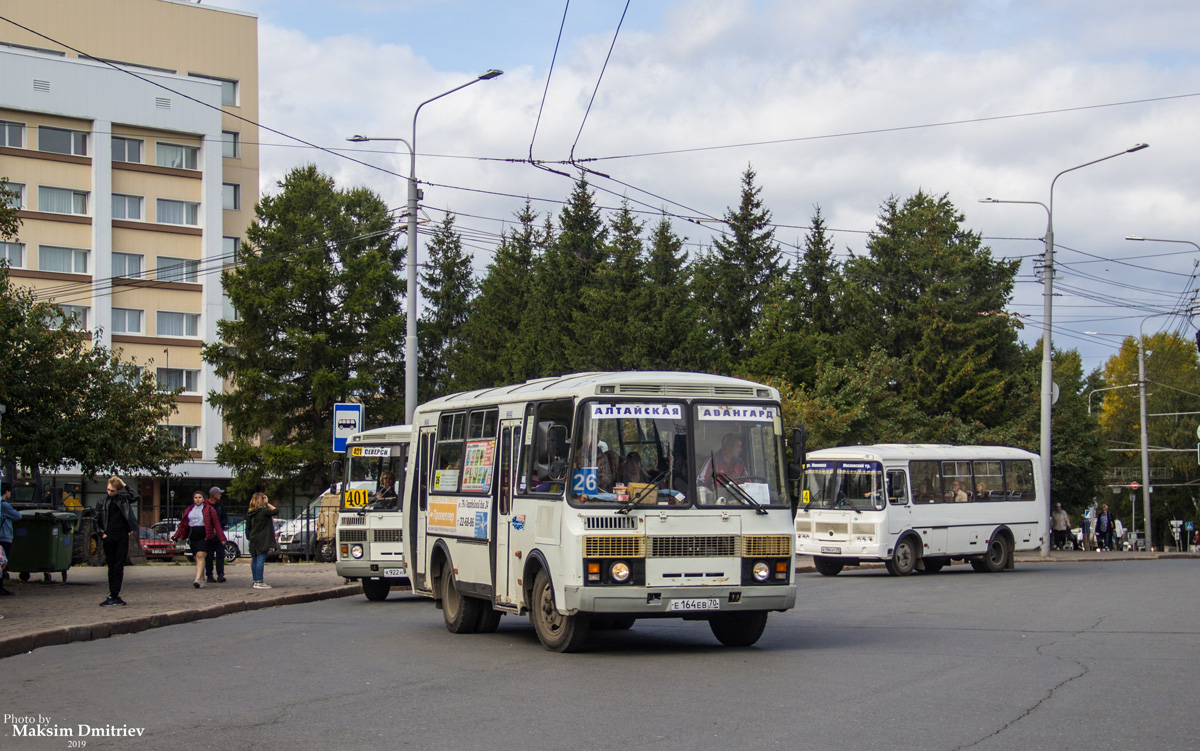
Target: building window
(62, 200)
(229, 89)
(126, 150)
(15, 198)
(126, 207)
(178, 212)
(231, 144)
(127, 265)
(170, 269)
(188, 435)
(229, 249)
(170, 379)
(62, 260)
(126, 321)
(12, 134)
(174, 155)
(61, 141)
(231, 196)
(75, 314)
(13, 254)
(178, 324)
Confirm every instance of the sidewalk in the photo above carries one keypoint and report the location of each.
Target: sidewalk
(41, 614)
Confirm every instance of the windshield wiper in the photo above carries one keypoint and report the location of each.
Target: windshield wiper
(636, 498)
(845, 501)
(723, 479)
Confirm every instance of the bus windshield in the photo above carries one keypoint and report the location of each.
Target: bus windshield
(629, 454)
(374, 478)
(849, 485)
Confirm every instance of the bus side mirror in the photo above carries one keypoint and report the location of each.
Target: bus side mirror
(799, 451)
(335, 474)
(795, 472)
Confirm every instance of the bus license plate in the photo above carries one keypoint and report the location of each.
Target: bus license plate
(698, 603)
(831, 549)
(393, 572)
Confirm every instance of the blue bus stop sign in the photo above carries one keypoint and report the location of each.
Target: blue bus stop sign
(347, 420)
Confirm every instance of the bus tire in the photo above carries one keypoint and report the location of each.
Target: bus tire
(489, 618)
(934, 565)
(739, 629)
(376, 590)
(995, 559)
(460, 613)
(904, 558)
(978, 564)
(828, 566)
(557, 632)
(623, 624)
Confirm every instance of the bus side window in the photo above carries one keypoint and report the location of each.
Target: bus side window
(897, 487)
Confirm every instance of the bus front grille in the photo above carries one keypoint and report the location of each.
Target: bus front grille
(613, 546)
(388, 535)
(353, 521)
(766, 546)
(831, 529)
(352, 535)
(694, 546)
(610, 522)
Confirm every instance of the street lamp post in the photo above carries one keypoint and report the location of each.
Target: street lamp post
(410, 338)
(1106, 388)
(1047, 310)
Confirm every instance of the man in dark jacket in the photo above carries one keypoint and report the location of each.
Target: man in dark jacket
(116, 519)
(216, 548)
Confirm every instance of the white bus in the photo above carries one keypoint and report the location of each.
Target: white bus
(917, 507)
(370, 537)
(588, 501)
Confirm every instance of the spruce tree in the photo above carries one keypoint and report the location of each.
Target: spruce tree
(447, 289)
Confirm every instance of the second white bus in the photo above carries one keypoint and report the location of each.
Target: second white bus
(917, 507)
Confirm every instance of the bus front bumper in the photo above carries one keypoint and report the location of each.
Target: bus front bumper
(391, 570)
(678, 602)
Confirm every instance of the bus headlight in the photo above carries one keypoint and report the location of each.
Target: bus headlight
(356, 551)
(619, 572)
(762, 571)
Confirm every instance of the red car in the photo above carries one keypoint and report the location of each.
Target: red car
(157, 547)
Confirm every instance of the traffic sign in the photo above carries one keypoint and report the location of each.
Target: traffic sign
(347, 420)
(1134, 485)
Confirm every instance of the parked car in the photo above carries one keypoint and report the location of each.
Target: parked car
(297, 537)
(156, 546)
(237, 543)
(165, 527)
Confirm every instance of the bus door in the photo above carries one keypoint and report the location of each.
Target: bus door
(503, 572)
(418, 519)
(899, 509)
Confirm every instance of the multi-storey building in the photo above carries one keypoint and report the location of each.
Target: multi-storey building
(128, 129)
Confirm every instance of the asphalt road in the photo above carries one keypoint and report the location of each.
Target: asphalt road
(1049, 656)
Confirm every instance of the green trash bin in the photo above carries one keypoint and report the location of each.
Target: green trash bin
(42, 544)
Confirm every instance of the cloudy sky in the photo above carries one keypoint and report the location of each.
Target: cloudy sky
(833, 104)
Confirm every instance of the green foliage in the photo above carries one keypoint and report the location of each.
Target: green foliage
(447, 287)
(675, 339)
(9, 221)
(612, 324)
(319, 321)
(71, 400)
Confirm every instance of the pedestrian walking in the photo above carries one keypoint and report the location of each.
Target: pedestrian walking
(199, 525)
(216, 549)
(1105, 525)
(116, 521)
(1060, 524)
(261, 528)
(8, 516)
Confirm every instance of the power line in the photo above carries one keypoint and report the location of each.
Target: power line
(549, 73)
(598, 80)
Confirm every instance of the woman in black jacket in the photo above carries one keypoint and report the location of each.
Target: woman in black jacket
(261, 533)
(116, 519)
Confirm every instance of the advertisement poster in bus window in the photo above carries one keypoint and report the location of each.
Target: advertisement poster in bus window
(459, 517)
(477, 469)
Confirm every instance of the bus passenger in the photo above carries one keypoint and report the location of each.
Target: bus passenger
(981, 493)
(956, 494)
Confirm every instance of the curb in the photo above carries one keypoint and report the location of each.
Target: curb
(15, 645)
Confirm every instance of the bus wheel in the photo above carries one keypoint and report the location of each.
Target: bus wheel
(828, 566)
(904, 559)
(489, 618)
(460, 613)
(738, 629)
(934, 565)
(623, 624)
(376, 589)
(557, 632)
(996, 557)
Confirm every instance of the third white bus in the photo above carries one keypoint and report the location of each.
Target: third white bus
(917, 507)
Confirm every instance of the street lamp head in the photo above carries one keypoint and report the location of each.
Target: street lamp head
(493, 73)
(1135, 237)
(358, 139)
(1139, 147)
(988, 200)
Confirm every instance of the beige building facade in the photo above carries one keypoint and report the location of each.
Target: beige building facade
(128, 128)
